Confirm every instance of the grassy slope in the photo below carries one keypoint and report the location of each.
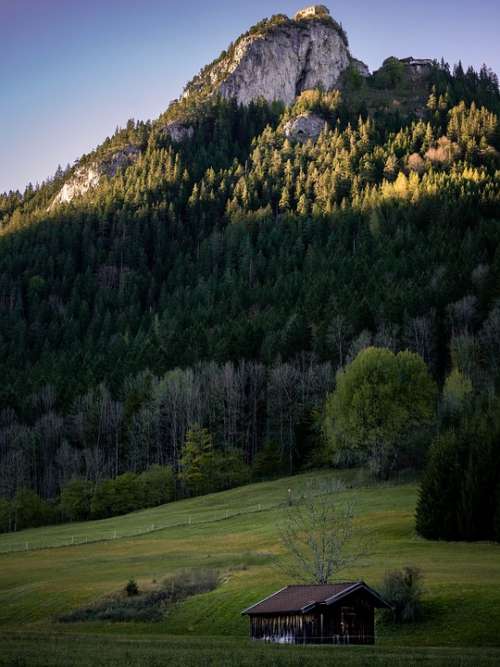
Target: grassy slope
(462, 580)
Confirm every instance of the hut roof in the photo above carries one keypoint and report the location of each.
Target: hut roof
(303, 598)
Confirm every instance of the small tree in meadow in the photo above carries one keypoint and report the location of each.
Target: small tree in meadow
(132, 588)
(319, 536)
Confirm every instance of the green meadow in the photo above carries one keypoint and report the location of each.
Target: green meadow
(237, 533)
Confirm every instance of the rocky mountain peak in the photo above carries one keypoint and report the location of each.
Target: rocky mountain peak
(278, 59)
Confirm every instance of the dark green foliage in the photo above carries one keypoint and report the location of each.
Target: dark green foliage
(496, 517)
(157, 486)
(116, 496)
(390, 75)
(6, 515)
(131, 588)
(403, 589)
(204, 469)
(30, 510)
(458, 494)
(76, 497)
(268, 463)
(81, 499)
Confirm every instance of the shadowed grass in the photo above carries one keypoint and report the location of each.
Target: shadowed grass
(195, 652)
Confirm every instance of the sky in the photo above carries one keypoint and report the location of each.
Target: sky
(71, 71)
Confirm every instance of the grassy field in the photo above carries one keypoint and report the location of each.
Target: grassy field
(123, 651)
(462, 584)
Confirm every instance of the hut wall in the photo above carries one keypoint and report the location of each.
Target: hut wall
(281, 628)
(351, 621)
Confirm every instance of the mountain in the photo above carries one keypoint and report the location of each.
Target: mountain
(218, 265)
(275, 61)
(278, 59)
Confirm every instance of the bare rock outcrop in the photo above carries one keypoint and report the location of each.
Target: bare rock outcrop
(279, 61)
(304, 127)
(120, 160)
(361, 67)
(87, 177)
(178, 131)
(79, 184)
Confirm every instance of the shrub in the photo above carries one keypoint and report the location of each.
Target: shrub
(150, 606)
(132, 588)
(402, 589)
(157, 485)
(116, 496)
(30, 510)
(186, 583)
(76, 497)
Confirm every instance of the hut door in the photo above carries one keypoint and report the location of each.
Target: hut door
(348, 625)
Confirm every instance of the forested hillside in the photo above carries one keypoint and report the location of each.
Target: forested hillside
(223, 280)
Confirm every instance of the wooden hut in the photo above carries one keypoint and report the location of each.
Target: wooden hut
(341, 613)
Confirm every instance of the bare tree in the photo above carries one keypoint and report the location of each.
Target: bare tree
(419, 335)
(338, 336)
(462, 315)
(283, 393)
(318, 535)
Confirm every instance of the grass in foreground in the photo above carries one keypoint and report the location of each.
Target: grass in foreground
(194, 652)
(462, 581)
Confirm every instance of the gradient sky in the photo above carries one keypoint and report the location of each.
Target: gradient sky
(72, 70)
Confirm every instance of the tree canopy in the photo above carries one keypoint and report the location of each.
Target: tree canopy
(380, 400)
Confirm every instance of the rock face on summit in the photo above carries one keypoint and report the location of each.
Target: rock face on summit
(279, 63)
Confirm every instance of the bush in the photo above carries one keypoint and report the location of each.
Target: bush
(149, 606)
(30, 510)
(186, 583)
(76, 497)
(132, 588)
(403, 591)
(157, 485)
(116, 496)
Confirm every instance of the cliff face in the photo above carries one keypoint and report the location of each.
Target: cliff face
(87, 177)
(285, 62)
(81, 182)
(279, 62)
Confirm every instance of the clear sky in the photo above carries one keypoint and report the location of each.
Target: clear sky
(72, 70)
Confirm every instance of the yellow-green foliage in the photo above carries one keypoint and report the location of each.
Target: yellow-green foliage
(380, 399)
